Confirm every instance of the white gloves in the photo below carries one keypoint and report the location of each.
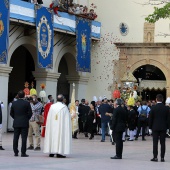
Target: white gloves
(150, 131)
(110, 132)
(94, 121)
(2, 105)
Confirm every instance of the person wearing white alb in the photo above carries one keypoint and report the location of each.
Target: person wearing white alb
(58, 134)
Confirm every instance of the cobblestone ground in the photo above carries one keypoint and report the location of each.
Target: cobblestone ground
(87, 155)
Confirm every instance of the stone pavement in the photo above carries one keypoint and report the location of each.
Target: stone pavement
(87, 155)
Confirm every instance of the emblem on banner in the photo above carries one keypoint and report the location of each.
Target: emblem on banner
(1, 26)
(44, 37)
(83, 40)
(6, 2)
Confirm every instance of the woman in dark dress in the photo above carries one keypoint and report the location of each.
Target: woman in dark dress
(131, 122)
(91, 119)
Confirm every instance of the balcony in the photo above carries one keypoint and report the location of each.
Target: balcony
(24, 12)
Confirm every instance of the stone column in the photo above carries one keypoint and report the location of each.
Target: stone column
(4, 79)
(81, 83)
(167, 92)
(50, 80)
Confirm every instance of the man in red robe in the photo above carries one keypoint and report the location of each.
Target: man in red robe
(46, 110)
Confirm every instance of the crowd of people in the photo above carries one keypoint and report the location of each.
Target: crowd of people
(125, 122)
(118, 119)
(70, 7)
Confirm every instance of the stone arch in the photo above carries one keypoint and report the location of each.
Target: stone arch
(66, 52)
(140, 63)
(27, 42)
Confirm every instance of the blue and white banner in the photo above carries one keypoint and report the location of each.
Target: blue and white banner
(4, 31)
(44, 26)
(83, 39)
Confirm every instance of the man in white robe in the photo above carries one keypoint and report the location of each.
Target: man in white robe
(58, 134)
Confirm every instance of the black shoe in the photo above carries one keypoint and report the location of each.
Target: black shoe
(113, 143)
(116, 157)
(16, 154)
(144, 139)
(123, 140)
(24, 155)
(102, 141)
(162, 160)
(30, 147)
(154, 159)
(37, 148)
(74, 137)
(136, 138)
(1, 148)
(60, 156)
(91, 137)
(86, 135)
(51, 155)
(130, 140)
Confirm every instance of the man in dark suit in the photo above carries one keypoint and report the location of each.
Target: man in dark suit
(21, 113)
(158, 124)
(103, 109)
(80, 110)
(118, 126)
(83, 112)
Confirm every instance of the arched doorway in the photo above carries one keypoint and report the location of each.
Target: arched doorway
(153, 79)
(23, 65)
(63, 86)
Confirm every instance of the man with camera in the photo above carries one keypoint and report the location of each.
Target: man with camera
(34, 127)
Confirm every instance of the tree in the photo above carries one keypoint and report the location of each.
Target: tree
(159, 13)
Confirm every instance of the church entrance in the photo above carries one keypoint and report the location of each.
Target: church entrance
(23, 65)
(63, 87)
(151, 81)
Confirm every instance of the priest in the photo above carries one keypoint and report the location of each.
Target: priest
(58, 134)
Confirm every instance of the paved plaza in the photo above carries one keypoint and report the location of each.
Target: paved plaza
(87, 155)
